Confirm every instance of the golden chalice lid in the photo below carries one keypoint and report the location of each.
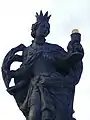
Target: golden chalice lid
(75, 31)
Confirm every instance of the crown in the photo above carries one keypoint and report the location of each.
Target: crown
(42, 18)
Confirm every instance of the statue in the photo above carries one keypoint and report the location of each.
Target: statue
(45, 82)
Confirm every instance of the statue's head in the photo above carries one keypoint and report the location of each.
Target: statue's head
(42, 26)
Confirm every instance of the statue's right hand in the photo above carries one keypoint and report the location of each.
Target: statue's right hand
(12, 74)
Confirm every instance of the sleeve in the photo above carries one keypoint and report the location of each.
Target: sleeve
(22, 71)
(74, 74)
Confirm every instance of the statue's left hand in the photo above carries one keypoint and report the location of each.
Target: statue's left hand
(77, 47)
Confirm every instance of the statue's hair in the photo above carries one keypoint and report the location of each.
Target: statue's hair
(34, 27)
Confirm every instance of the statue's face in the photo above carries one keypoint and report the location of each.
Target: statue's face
(43, 29)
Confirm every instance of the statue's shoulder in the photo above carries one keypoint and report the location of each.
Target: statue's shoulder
(27, 48)
(54, 47)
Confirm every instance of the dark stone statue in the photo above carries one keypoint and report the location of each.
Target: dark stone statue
(45, 82)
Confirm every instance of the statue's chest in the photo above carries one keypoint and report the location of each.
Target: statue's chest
(45, 51)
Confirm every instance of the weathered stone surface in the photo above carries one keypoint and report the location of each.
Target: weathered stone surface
(45, 82)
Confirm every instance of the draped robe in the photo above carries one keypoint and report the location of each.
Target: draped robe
(50, 94)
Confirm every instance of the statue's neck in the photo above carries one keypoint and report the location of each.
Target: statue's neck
(39, 40)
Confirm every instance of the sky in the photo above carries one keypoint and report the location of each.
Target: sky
(16, 18)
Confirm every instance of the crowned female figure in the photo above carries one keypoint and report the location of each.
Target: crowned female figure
(45, 82)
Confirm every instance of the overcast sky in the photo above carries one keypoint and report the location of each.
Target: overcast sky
(16, 18)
